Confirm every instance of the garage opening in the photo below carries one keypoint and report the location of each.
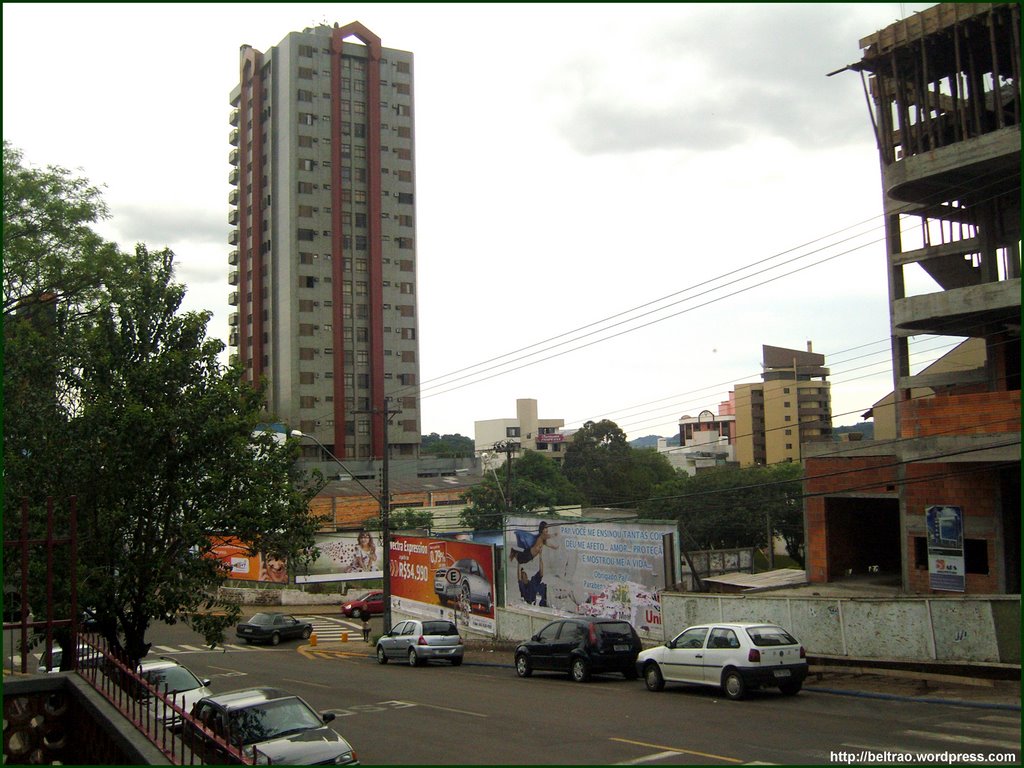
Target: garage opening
(863, 539)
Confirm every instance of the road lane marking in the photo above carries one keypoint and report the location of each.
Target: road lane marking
(166, 648)
(649, 758)
(1011, 745)
(449, 709)
(307, 682)
(193, 648)
(1001, 719)
(677, 750)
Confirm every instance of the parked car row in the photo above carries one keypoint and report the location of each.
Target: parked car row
(735, 657)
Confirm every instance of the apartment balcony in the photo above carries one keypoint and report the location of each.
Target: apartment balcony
(233, 258)
(233, 237)
(233, 339)
(233, 176)
(233, 216)
(234, 117)
(233, 298)
(233, 156)
(233, 137)
(233, 318)
(233, 359)
(233, 277)
(960, 311)
(233, 197)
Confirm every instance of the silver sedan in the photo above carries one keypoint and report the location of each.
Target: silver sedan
(416, 642)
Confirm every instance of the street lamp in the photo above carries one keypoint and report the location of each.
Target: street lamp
(385, 508)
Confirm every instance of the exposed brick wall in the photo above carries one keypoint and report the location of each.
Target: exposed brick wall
(834, 475)
(977, 492)
(965, 414)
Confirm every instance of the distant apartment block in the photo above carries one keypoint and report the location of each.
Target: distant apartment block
(526, 429)
(323, 216)
(705, 441)
(791, 405)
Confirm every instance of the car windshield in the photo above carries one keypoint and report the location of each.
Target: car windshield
(615, 629)
(177, 679)
(763, 636)
(263, 619)
(271, 720)
(439, 628)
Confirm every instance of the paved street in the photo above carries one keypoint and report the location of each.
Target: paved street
(481, 713)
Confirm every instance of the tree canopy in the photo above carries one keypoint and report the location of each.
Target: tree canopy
(156, 439)
(447, 446)
(726, 507)
(606, 471)
(536, 483)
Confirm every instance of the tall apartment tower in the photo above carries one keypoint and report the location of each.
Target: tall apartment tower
(323, 272)
(791, 405)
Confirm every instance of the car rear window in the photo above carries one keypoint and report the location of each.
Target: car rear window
(762, 636)
(616, 629)
(439, 628)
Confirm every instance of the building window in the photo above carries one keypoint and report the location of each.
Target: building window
(305, 164)
(788, 417)
(402, 66)
(306, 234)
(511, 431)
(305, 73)
(405, 197)
(306, 118)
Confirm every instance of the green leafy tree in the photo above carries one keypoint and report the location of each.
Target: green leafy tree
(726, 508)
(155, 438)
(447, 446)
(536, 484)
(606, 471)
(403, 520)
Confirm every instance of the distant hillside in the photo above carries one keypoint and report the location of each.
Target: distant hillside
(651, 441)
(866, 428)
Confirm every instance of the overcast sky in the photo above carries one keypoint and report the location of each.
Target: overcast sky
(617, 205)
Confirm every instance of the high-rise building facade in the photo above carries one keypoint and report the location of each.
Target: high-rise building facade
(323, 270)
(791, 405)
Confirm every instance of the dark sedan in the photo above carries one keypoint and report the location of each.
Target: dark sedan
(272, 628)
(266, 723)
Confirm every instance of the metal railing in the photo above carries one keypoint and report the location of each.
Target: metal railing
(157, 714)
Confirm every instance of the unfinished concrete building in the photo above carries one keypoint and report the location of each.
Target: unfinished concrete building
(945, 104)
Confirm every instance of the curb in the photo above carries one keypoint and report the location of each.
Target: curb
(919, 699)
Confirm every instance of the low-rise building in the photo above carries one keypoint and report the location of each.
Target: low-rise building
(530, 432)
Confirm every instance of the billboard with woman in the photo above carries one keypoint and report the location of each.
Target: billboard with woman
(345, 557)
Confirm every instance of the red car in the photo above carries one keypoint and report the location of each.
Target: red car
(371, 603)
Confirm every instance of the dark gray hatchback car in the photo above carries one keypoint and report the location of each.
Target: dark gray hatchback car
(581, 647)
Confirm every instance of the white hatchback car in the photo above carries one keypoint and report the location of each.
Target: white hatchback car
(735, 657)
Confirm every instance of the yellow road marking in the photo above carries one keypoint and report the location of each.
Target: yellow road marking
(678, 749)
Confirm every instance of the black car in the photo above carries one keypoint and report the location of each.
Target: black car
(581, 647)
(279, 727)
(272, 628)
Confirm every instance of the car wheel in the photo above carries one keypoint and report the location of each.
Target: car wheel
(382, 658)
(275, 639)
(653, 678)
(523, 668)
(791, 688)
(306, 633)
(733, 686)
(580, 670)
(456, 661)
(414, 660)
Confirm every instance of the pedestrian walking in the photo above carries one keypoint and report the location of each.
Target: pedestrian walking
(365, 616)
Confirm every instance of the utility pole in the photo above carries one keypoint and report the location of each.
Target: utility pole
(385, 506)
(507, 447)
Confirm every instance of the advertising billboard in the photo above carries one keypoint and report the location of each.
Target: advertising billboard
(442, 578)
(239, 564)
(345, 557)
(590, 568)
(946, 548)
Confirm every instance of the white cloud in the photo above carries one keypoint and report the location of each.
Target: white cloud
(572, 162)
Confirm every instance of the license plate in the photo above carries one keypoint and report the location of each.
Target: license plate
(246, 630)
(621, 647)
(782, 673)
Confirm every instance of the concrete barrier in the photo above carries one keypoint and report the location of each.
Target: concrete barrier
(983, 629)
